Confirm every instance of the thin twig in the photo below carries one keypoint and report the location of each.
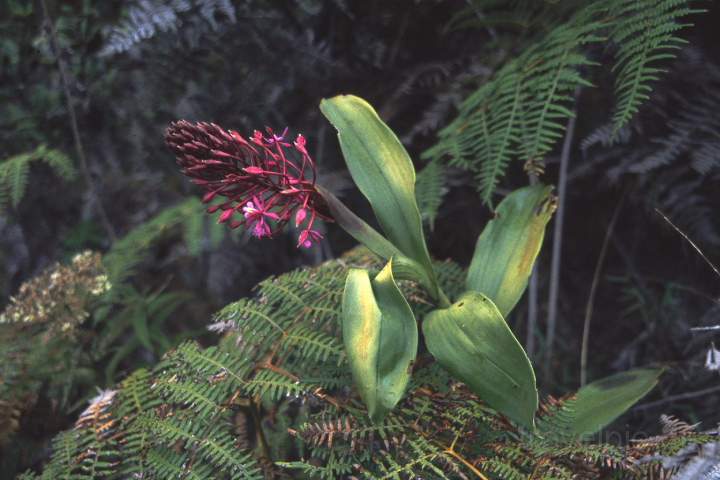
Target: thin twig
(95, 198)
(469, 465)
(681, 396)
(532, 314)
(697, 249)
(593, 289)
(557, 239)
(706, 329)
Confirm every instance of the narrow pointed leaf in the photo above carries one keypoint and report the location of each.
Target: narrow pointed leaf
(357, 227)
(404, 268)
(599, 403)
(508, 246)
(473, 342)
(382, 170)
(380, 336)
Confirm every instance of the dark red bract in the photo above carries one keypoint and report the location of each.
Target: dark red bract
(264, 179)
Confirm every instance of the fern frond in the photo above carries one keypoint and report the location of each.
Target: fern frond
(519, 113)
(210, 442)
(145, 19)
(334, 466)
(14, 172)
(430, 190)
(211, 363)
(419, 458)
(131, 250)
(503, 469)
(166, 463)
(645, 33)
(275, 386)
(311, 344)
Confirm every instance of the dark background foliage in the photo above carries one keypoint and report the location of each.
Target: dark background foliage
(133, 67)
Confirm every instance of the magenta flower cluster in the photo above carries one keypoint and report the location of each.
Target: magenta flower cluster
(265, 181)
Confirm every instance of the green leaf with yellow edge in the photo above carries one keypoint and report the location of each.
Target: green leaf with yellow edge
(508, 246)
(599, 403)
(382, 170)
(472, 341)
(380, 336)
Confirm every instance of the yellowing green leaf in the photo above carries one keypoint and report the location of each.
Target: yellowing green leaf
(506, 249)
(380, 336)
(473, 342)
(382, 170)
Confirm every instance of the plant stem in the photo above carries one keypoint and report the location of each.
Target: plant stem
(532, 314)
(692, 244)
(593, 290)
(680, 396)
(259, 432)
(94, 197)
(557, 240)
(469, 465)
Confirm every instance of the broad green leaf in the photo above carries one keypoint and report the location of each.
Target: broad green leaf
(506, 249)
(599, 403)
(380, 336)
(382, 170)
(473, 342)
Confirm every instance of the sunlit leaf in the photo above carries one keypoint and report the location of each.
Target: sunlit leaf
(380, 336)
(506, 249)
(382, 170)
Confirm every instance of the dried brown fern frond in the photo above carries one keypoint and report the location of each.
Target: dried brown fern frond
(97, 416)
(325, 432)
(665, 455)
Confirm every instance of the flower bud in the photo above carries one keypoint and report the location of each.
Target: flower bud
(300, 216)
(225, 216)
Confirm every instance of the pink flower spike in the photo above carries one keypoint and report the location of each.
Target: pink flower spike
(268, 178)
(300, 216)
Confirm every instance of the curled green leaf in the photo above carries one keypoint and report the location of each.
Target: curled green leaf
(380, 336)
